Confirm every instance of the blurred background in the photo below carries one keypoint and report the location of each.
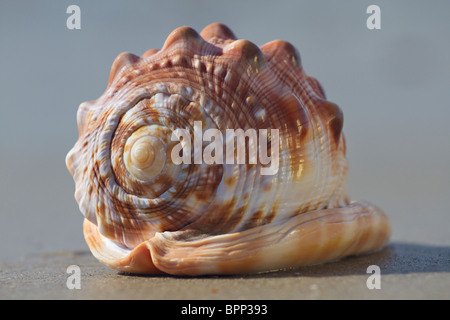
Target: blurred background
(392, 84)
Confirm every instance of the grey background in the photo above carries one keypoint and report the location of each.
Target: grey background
(392, 84)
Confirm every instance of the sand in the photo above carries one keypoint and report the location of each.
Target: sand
(408, 271)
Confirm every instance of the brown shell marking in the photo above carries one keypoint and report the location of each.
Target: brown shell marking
(146, 214)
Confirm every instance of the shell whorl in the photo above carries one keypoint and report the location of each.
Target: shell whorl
(128, 186)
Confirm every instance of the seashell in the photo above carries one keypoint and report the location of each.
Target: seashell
(148, 213)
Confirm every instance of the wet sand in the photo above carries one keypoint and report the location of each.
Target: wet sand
(408, 271)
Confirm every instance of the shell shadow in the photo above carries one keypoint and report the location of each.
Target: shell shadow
(396, 258)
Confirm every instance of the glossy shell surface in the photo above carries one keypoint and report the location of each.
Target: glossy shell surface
(145, 213)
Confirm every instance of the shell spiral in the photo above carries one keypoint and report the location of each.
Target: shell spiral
(148, 213)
